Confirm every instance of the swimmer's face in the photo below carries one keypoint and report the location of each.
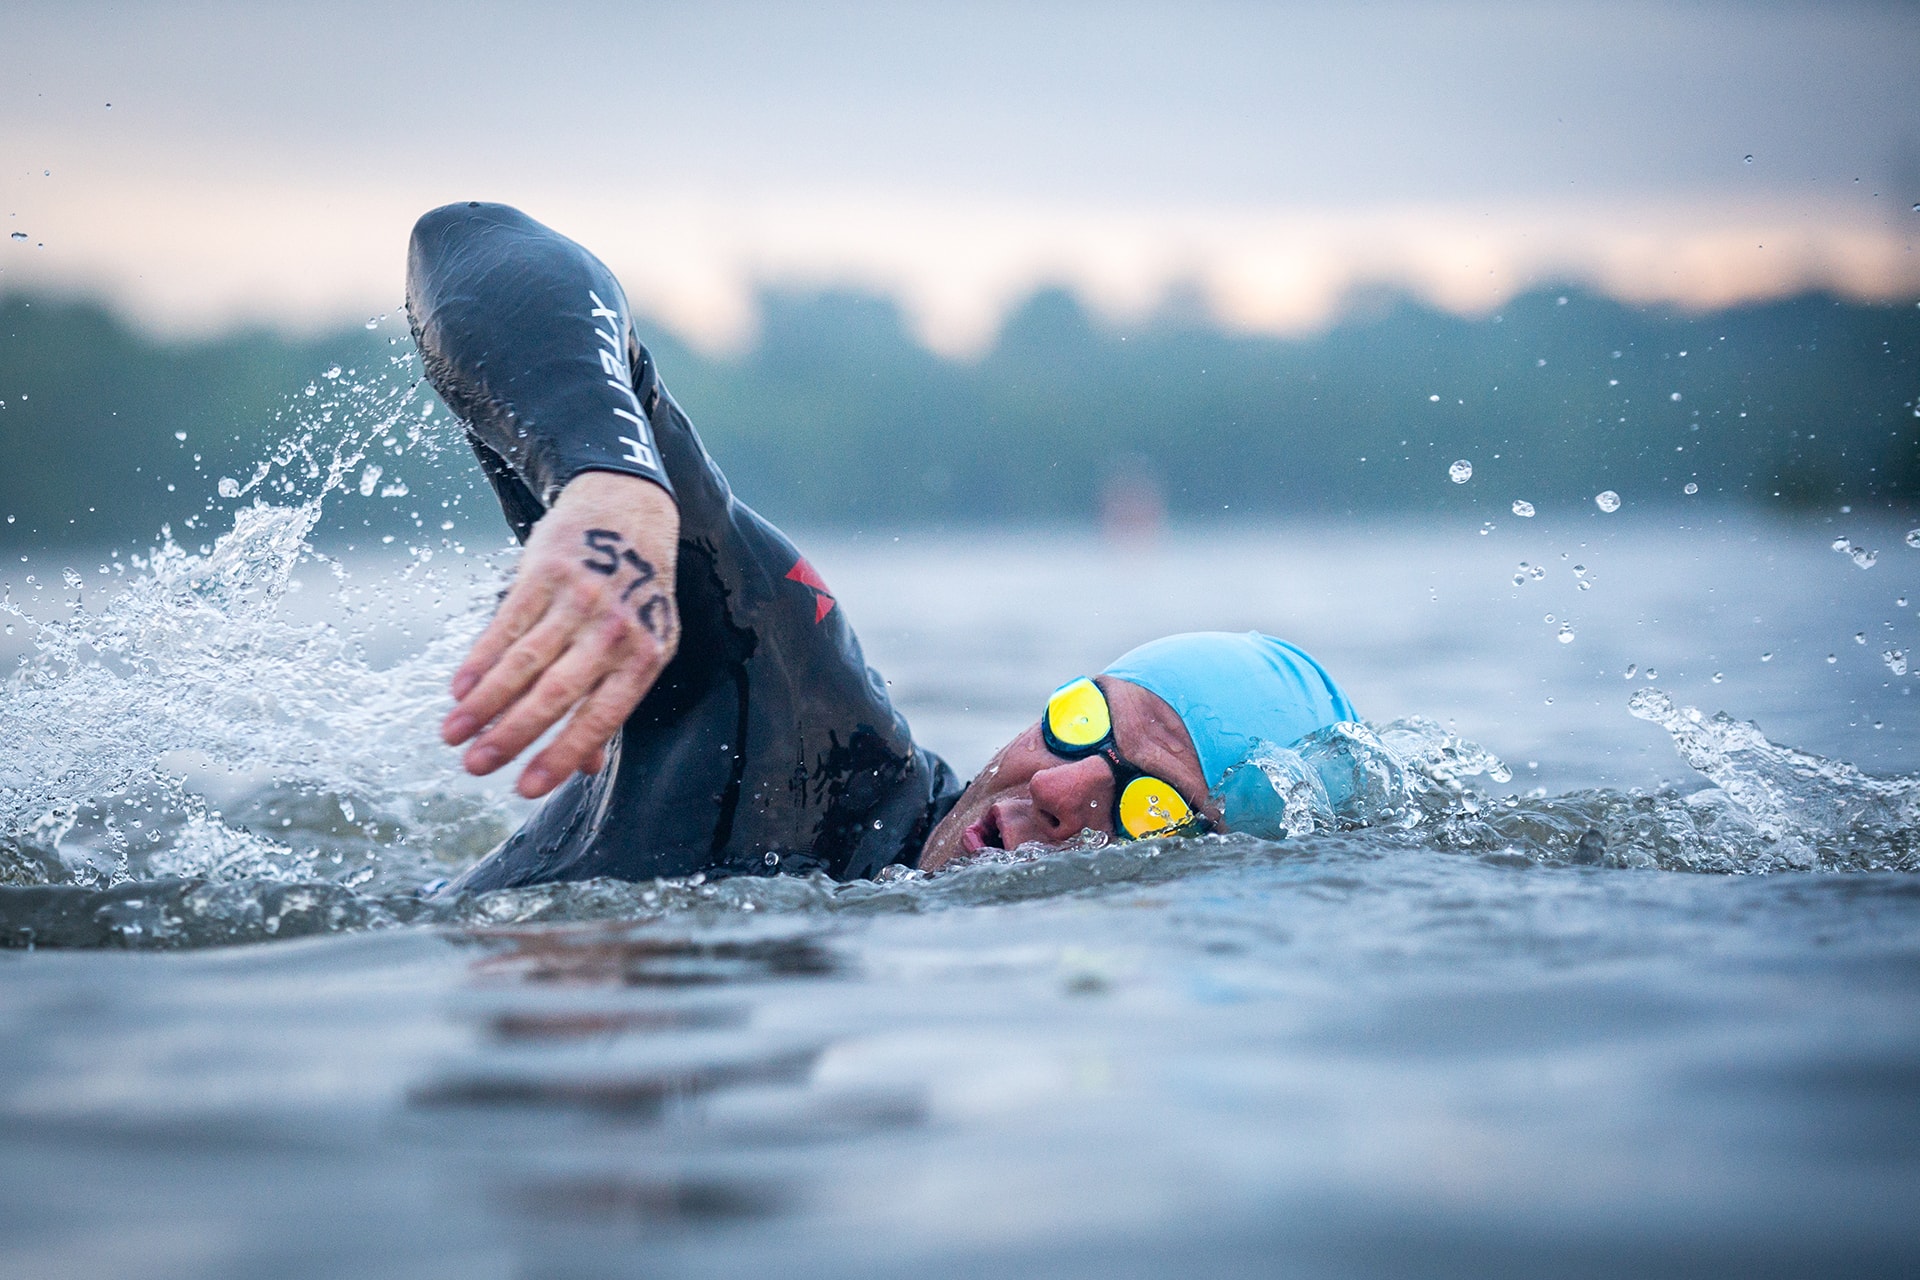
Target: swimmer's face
(1027, 795)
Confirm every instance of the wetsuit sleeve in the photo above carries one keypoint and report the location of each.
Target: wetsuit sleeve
(529, 340)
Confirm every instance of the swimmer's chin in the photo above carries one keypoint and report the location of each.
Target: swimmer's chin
(945, 847)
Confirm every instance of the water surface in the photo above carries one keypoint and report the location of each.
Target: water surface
(1642, 1000)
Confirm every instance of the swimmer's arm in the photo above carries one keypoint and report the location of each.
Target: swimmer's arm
(529, 340)
(526, 336)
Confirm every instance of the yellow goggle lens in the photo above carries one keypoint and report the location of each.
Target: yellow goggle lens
(1077, 714)
(1150, 804)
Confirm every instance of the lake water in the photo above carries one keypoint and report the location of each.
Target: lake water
(1542, 1020)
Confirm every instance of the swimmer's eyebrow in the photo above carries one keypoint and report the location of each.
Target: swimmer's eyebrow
(1161, 739)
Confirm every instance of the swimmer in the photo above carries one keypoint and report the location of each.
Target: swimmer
(720, 717)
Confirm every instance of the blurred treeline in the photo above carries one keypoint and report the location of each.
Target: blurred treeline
(836, 415)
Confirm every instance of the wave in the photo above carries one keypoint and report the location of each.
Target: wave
(1774, 809)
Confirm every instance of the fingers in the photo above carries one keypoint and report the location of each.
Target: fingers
(522, 707)
(607, 665)
(509, 677)
(582, 745)
(522, 609)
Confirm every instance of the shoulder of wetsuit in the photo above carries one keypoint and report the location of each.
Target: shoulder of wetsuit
(529, 340)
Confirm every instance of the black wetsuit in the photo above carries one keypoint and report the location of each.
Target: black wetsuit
(767, 734)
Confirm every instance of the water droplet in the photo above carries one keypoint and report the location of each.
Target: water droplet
(1916, 208)
(229, 487)
(1864, 558)
(331, 373)
(1486, 528)
(1523, 508)
(1767, 656)
(179, 435)
(369, 477)
(1566, 633)
(1433, 399)
(19, 235)
(1691, 488)
(71, 578)
(1900, 602)
(1749, 159)
(1607, 500)
(313, 389)
(1548, 618)
(9, 519)
(1832, 658)
(1842, 545)
(1631, 668)
(1896, 660)
(1652, 674)
(1859, 637)
(772, 859)
(1675, 396)
(1462, 471)
(1718, 677)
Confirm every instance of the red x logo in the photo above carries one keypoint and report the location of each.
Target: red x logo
(809, 577)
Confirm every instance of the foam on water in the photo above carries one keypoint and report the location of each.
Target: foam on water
(208, 755)
(182, 726)
(198, 723)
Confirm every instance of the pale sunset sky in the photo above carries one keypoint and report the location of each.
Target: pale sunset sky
(262, 165)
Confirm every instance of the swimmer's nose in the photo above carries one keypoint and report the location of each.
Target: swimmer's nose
(1072, 796)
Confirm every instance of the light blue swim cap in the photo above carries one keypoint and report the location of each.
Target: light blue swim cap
(1238, 692)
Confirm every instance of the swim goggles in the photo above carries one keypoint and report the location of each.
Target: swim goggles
(1078, 723)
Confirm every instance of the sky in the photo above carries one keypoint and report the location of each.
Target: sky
(262, 164)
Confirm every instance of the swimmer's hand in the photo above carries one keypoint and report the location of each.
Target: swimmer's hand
(587, 627)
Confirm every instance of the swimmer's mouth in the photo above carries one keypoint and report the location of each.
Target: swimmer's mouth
(984, 834)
